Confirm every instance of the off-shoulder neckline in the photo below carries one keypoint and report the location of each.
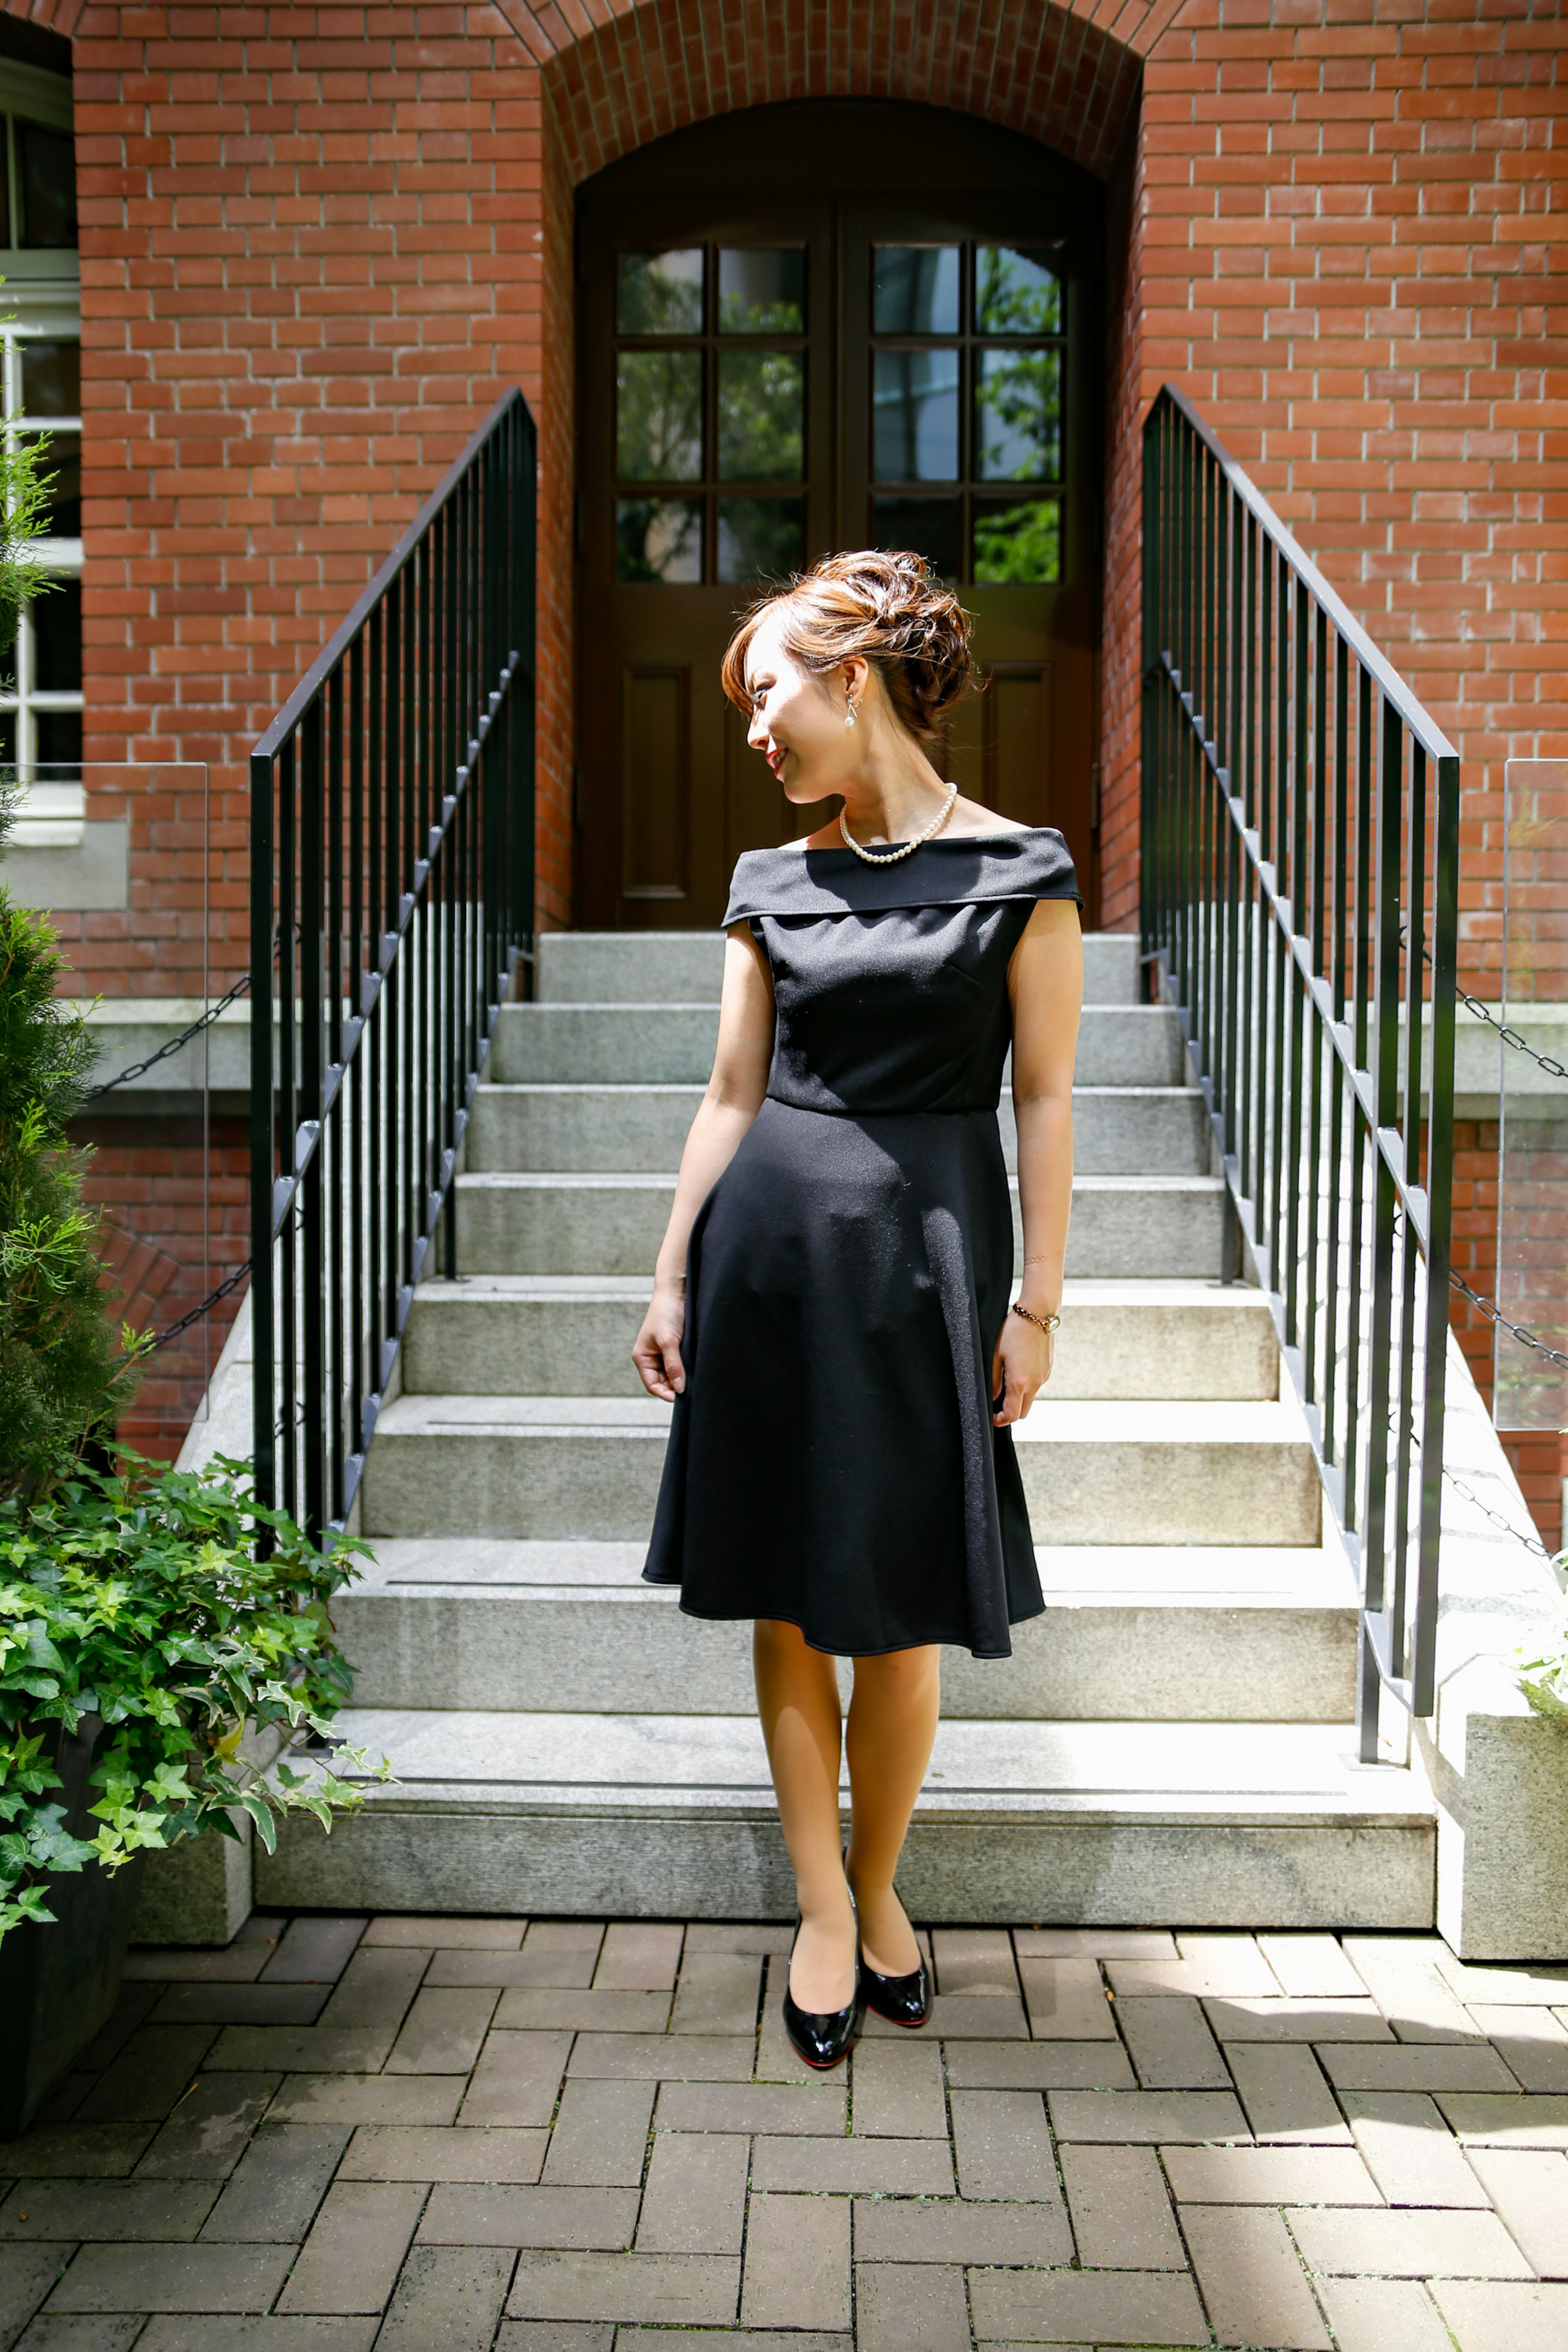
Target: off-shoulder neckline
(881, 849)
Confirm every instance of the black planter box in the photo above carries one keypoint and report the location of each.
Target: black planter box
(59, 1984)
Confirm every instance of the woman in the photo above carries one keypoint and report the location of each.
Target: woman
(830, 1310)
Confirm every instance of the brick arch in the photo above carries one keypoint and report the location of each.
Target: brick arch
(62, 17)
(1047, 70)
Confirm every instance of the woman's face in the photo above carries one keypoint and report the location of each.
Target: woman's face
(797, 719)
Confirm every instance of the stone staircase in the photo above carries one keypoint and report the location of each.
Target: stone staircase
(1171, 1741)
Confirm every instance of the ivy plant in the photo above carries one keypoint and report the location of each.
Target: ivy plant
(138, 1597)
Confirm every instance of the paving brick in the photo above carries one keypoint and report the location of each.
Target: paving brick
(815, 2110)
(78, 2334)
(1414, 2066)
(27, 2275)
(355, 2249)
(174, 2278)
(1406, 2244)
(563, 2009)
(1310, 1966)
(777, 2058)
(1094, 1943)
(1499, 2318)
(1267, 2176)
(638, 1954)
(1409, 2150)
(726, 2340)
(151, 2073)
(600, 2138)
(460, 2215)
(110, 2210)
(1487, 2121)
(1531, 2043)
(1219, 1965)
(562, 1952)
(442, 2032)
(1529, 2189)
(952, 2230)
(576, 2335)
(448, 2299)
(1066, 2001)
(1002, 2145)
(1526, 1987)
(366, 2099)
(304, 2048)
(677, 2290)
(261, 2336)
(1382, 2316)
(504, 1969)
(735, 1936)
(76, 2152)
(281, 2179)
(1121, 2217)
(447, 1935)
(204, 2137)
(313, 1951)
(857, 2167)
(1085, 2307)
(718, 1993)
(695, 2202)
(1039, 2066)
(797, 2263)
(1251, 2278)
(395, 2152)
(241, 2004)
(375, 1988)
(974, 1959)
(237, 1963)
(963, 2017)
(1285, 2095)
(1402, 1975)
(517, 2080)
(1144, 2118)
(1298, 2020)
(662, 2057)
(132, 2007)
(898, 2091)
(910, 2307)
(1168, 2037)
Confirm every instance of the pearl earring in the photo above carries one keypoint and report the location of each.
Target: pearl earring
(849, 716)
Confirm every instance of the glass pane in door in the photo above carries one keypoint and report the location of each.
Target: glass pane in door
(762, 289)
(914, 290)
(914, 414)
(659, 293)
(1019, 417)
(762, 417)
(658, 416)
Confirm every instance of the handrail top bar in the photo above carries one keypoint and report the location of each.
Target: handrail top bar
(1392, 687)
(348, 628)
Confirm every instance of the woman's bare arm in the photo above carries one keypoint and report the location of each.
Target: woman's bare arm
(1044, 979)
(733, 1098)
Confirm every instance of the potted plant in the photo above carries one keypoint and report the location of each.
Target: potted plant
(143, 1647)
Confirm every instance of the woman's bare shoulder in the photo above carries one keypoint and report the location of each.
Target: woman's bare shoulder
(971, 817)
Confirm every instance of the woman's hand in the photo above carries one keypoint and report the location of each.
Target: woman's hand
(657, 1350)
(1020, 1367)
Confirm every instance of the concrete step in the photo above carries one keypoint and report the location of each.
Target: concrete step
(673, 1815)
(536, 1127)
(686, 966)
(1125, 1228)
(552, 1334)
(671, 1043)
(1252, 1635)
(564, 1466)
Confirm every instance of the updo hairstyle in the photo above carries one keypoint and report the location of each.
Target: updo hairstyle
(886, 608)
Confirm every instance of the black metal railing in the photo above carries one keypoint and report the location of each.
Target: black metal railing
(391, 912)
(1301, 830)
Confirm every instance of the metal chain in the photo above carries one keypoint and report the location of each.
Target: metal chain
(223, 1290)
(140, 1070)
(1510, 1036)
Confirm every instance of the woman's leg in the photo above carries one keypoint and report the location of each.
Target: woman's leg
(892, 1724)
(797, 1698)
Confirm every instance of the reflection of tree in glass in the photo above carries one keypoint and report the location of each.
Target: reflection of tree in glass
(659, 293)
(1020, 404)
(738, 317)
(1020, 543)
(759, 537)
(760, 404)
(659, 538)
(658, 416)
(1015, 293)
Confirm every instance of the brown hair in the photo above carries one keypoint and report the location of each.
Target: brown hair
(886, 608)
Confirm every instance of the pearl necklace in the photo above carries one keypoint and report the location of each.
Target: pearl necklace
(891, 856)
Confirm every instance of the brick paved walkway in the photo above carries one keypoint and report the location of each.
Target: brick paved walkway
(441, 2135)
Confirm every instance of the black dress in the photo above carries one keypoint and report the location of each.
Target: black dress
(833, 1460)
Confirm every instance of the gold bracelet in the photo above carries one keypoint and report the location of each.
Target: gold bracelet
(1041, 1322)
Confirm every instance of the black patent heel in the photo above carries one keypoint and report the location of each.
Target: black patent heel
(823, 2038)
(902, 2000)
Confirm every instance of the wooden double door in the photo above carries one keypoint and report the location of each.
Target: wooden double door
(808, 327)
